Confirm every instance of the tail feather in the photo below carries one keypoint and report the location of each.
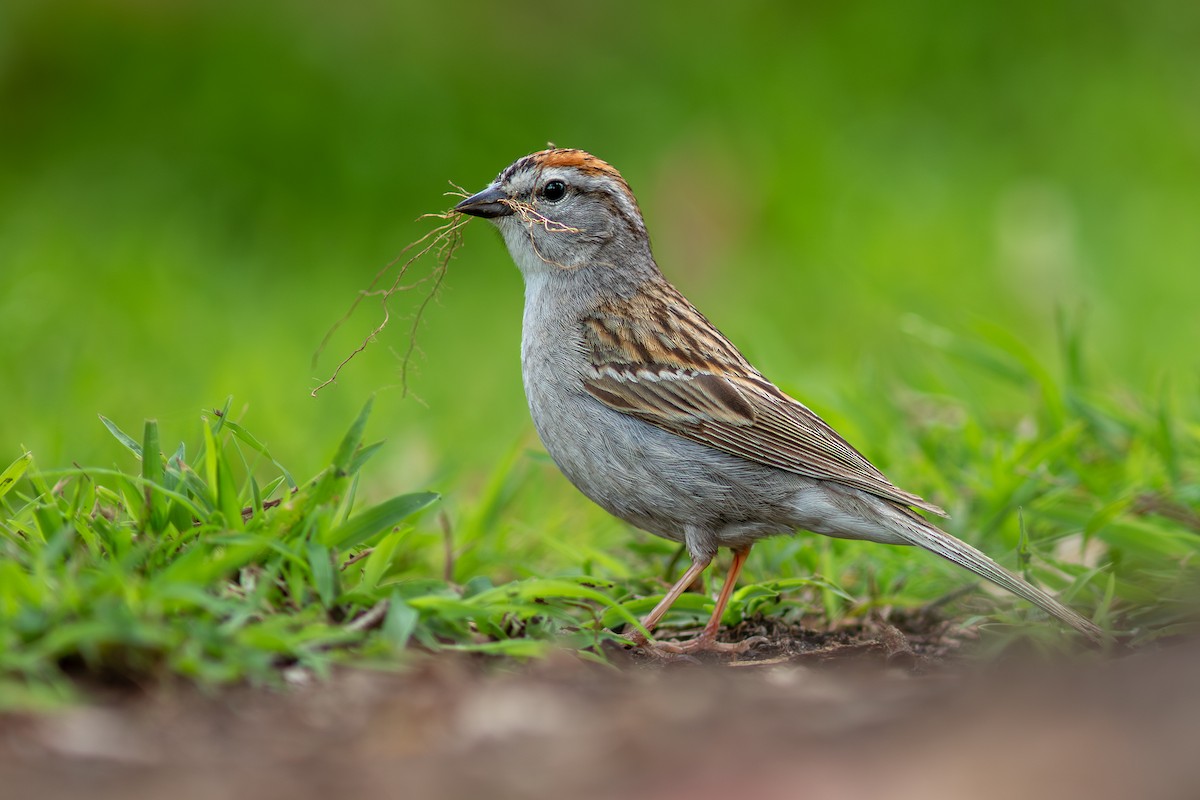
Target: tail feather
(920, 533)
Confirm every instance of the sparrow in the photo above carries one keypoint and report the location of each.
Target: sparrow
(655, 416)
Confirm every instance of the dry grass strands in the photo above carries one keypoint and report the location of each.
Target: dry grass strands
(531, 217)
(443, 241)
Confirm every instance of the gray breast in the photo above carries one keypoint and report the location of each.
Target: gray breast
(662, 483)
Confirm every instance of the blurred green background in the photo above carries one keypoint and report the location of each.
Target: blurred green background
(192, 192)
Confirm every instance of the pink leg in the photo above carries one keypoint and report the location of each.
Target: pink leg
(709, 634)
(707, 640)
(669, 599)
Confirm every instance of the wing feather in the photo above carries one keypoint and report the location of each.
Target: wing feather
(656, 370)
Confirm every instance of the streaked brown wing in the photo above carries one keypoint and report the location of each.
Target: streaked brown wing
(644, 370)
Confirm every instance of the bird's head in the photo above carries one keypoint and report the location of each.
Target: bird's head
(563, 209)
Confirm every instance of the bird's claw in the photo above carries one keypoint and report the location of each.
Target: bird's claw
(685, 651)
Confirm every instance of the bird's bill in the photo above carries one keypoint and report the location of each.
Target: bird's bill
(488, 204)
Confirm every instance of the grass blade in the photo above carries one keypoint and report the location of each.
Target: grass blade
(377, 519)
(13, 472)
(121, 436)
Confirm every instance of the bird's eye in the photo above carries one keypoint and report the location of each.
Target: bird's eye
(554, 191)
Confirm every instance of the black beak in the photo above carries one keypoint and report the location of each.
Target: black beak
(488, 204)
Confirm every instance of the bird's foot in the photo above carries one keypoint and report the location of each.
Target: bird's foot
(706, 642)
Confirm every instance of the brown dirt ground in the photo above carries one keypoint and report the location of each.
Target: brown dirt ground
(871, 712)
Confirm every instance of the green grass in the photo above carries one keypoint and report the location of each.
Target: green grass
(220, 567)
(186, 569)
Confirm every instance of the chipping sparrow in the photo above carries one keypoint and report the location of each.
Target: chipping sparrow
(652, 413)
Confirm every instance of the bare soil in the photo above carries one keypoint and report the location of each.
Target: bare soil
(875, 712)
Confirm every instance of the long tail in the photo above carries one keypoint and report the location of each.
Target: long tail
(920, 533)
